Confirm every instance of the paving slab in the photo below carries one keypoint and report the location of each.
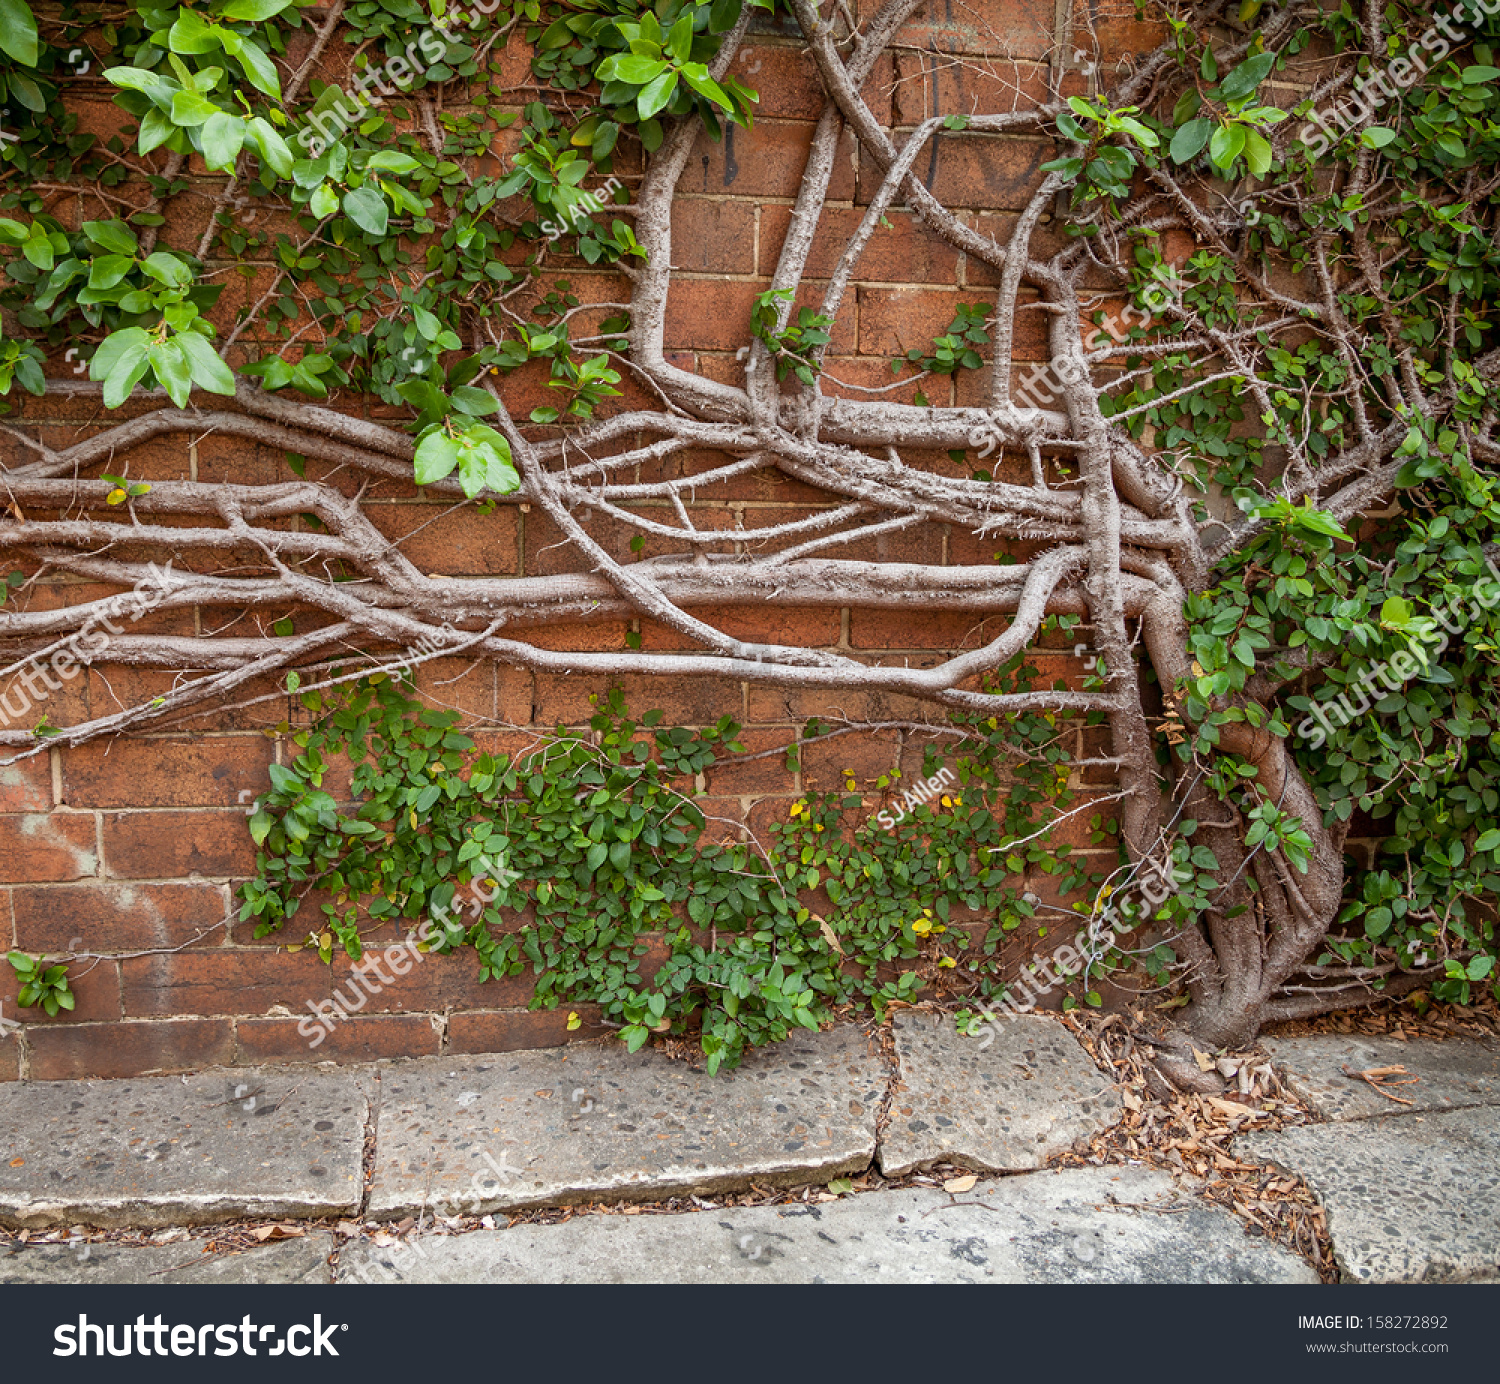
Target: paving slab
(1090, 1225)
(160, 1151)
(1004, 1106)
(1451, 1073)
(301, 1260)
(1411, 1198)
(593, 1121)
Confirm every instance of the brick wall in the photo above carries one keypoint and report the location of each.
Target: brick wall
(131, 849)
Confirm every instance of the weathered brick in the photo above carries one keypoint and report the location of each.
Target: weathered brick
(114, 917)
(221, 980)
(174, 845)
(129, 1049)
(354, 1040)
(432, 983)
(515, 1029)
(27, 785)
(95, 986)
(10, 1057)
(39, 846)
(176, 772)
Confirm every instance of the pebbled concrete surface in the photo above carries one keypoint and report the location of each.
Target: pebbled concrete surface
(161, 1151)
(1007, 1106)
(1050, 1227)
(1452, 1073)
(302, 1260)
(589, 1122)
(1411, 1198)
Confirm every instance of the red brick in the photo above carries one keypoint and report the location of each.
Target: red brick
(981, 172)
(869, 754)
(26, 786)
(768, 775)
(96, 994)
(10, 1057)
(928, 85)
(923, 629)
(785, 79)
(683, 701)
(462, 684)
(221, 981)
(713, 237)
(177, 772)
(904, 252)
(432, 983)
(114, 917)
(768, 161)
(353, 1040)
(711, 314)
(803, 628)
(461, 543)
(28, 697)
(516, 1029)
(39, 846)
(129, 1049)
(173, 845)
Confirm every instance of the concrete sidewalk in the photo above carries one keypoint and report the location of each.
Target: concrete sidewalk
(432, 1139)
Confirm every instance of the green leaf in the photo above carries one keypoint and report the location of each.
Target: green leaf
(366, 208)
(191, 110)
(437, 455)
(1227, 144)
(1489, 841)
(1247, 76)
(128, 370)
(254, 9)
(638, 70)
(258, 68)
(18, 31)
(1188, 142)
(222, 137)
(190, 34)
(171, 369)
(273, 149)
(208, 371)
(656, 94)
(324, 202)
(1257, 152)
(1377, 136)
(114, 236)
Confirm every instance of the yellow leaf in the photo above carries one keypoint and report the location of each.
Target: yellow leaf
(574, 1021)
(414, 819)
(115, 496)
(829, 935)
(960, 1184)
(1204, 1061)
(946, 962)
